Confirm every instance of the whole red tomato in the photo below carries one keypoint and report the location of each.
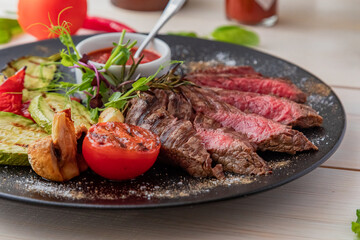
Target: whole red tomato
(120, 151)
(38, 11)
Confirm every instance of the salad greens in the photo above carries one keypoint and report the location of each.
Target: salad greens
(355, 226)
(103, 89)
(228, 33)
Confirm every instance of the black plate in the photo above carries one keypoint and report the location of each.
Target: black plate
(163, 186)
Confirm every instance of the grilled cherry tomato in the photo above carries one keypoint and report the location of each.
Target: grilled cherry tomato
(120, 151)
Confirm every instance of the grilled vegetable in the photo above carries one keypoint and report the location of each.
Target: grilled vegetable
(43, 108)
(111, 115)
(10, 93)
(37, 75)
(16, 133)
(120, 151)
(56, 157)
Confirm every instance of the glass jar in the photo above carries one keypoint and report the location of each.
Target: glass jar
(252, 12)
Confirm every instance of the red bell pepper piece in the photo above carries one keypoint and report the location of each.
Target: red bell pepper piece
(105, 25)
(24, 111)
(11, 93)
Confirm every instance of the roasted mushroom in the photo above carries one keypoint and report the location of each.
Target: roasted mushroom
(57, 157)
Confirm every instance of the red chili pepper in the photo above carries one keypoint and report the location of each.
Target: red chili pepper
(105, 25)
(11, 93)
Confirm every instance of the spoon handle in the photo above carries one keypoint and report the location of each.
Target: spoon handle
(171, 8)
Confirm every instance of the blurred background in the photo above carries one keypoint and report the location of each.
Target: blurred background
(308, 33)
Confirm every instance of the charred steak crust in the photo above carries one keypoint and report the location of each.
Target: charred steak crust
(180, 145)
(243, 71)
(274, 86)
(227, 147)
(175, 103)
(278, 109)
(265, 133)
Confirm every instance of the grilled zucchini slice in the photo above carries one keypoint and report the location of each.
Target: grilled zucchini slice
(43, 108)
(16, 133)
(37, 76)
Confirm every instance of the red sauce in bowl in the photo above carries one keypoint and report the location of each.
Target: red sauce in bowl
(102, 55)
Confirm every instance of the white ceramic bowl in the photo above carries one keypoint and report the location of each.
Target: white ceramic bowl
(106, 40)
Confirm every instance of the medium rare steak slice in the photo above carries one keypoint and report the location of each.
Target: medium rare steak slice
(228, 70)
(229, 148)
(265, 133)
(274, 86)
(278, 109)
(180, 145)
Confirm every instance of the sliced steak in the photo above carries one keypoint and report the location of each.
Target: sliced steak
(180, 145)
(274, 86)
(229, 148)
(278, 109)
(239, 71)
(176, 104)
(265, 133)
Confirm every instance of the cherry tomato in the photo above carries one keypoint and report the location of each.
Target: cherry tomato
(120, 151)
(38, 11)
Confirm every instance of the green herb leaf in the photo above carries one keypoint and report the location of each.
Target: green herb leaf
(115, 96)
(355, 226)
(88, 75)
(118, 104)
(121, 53)
(65, 84)
(235, 34)
(85, 84)
(122, 57)
(143, 88)
(66, 60)
(65, 39)
(139, 82)
(94, 114)
(184, 34)
(110, 78)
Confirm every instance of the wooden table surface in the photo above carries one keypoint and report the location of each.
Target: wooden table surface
(322, 36)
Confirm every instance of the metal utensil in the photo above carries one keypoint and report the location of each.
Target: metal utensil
(171, 8)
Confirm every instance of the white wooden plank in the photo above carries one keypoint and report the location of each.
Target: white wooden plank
(350, 99)
(348, 154)
(318, 206)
